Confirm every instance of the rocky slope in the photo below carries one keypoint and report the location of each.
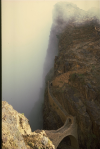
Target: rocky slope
(17, 134)
(76, 79)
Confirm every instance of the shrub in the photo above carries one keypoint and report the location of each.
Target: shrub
(93, 67)
(57, 36)
(91, 137)
(81, 75)
(73, 76)
(30, 144)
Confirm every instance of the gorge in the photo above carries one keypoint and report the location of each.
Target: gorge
(71, 77)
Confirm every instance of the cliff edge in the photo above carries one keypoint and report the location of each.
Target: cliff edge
(75, 82)
(17, 134)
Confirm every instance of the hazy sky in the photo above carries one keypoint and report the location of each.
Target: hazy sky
(25, 33)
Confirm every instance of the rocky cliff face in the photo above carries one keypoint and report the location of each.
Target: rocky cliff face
(76, 80)
(17, 134)
(75, 83)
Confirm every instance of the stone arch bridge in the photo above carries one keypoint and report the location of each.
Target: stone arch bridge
(68, 129)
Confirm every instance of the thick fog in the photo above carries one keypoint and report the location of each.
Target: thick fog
(25, 34)
(29, 46)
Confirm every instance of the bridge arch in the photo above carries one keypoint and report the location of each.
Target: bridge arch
(69, 129)
(69, 141)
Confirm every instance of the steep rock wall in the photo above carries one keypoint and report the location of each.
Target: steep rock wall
(76, 81)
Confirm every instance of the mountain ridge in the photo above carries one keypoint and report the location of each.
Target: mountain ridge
(75, 80)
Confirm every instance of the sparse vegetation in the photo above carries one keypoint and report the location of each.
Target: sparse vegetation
(57, 36)
(49, 142)
(73, 76)
(30, 144)
(62, 91)
(53, 104)
(93, 67)
(49, 75)
(81, 75)
(60, 81)
(91, 137)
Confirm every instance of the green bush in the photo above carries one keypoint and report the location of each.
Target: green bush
(30, 144)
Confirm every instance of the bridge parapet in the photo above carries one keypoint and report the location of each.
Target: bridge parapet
(58, 107)
(68, 129)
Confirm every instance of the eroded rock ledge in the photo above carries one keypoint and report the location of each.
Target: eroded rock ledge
(17, 134)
